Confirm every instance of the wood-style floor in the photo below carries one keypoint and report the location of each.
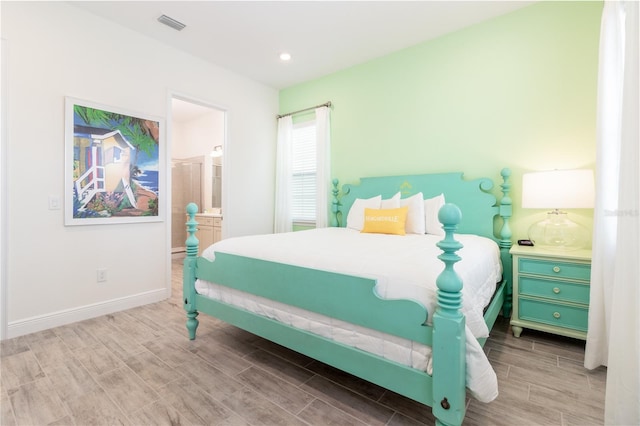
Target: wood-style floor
(137, 367)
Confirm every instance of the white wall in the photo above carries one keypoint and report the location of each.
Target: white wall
(57, 50)
(199, 135)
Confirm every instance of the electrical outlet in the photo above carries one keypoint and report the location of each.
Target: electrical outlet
(102, 275)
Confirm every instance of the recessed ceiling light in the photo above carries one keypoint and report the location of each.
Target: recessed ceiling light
(284, 56)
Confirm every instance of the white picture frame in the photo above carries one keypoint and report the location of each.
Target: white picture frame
(113, 161)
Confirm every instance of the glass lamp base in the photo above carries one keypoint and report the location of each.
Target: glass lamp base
(559, 233)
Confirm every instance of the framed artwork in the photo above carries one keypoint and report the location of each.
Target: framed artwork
(112, 165)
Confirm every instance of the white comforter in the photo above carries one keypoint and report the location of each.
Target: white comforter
(405, 267)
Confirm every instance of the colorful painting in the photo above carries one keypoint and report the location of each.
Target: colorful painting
(113, 159)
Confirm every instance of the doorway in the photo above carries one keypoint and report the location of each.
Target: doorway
(198, 136)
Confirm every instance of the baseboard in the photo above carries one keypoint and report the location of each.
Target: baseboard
(55, 319)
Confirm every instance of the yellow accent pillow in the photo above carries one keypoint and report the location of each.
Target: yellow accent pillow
(385, 221)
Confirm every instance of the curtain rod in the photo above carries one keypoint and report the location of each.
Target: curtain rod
(327, 104)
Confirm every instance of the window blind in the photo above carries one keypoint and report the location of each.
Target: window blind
(304, 172)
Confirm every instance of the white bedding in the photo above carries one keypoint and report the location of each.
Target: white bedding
(405, 267)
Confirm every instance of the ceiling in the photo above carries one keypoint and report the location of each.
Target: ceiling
(247, 37)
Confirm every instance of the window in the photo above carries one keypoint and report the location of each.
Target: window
(303, 186)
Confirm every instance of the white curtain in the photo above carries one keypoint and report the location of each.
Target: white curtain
(613, 338)
(323, 166)
(282, 220)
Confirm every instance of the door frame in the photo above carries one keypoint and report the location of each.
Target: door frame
(4, 104)
(171, 95)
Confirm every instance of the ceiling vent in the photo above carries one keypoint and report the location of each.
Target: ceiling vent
(170, 22)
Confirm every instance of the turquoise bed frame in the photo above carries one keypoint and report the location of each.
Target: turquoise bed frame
(470, 208)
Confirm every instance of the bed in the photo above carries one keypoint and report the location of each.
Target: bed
(352, 317)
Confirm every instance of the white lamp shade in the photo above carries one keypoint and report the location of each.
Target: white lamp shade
(558, 189)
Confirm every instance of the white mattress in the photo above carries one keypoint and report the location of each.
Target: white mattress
(405, 267)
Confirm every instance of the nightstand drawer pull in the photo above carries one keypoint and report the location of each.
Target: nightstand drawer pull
(554, 268)
(575, 292)
(554, 314)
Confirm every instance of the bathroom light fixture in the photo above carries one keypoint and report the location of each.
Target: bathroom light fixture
(284, 56)
(217, 151)
(170, 22)
(558, 189)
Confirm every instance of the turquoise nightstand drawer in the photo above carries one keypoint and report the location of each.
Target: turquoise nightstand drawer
(573, 317)
(552, 268)
(556, 290)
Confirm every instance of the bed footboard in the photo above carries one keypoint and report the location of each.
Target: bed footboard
(445, 389)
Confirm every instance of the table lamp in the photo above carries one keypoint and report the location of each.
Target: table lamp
(558, 189)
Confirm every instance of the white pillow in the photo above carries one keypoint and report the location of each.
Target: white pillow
(391, 203)
(355, 218)
(431, 209)
(415, 216)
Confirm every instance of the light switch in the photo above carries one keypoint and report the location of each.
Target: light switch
(54, 202)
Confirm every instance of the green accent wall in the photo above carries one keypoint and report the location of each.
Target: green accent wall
(516, 91)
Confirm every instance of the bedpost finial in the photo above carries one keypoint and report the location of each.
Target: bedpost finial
(449, 214)
(192, 208)
(505, 173)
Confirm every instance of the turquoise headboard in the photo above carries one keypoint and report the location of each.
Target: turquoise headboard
(478, 205)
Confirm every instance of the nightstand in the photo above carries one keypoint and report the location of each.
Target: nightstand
(551, 291)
